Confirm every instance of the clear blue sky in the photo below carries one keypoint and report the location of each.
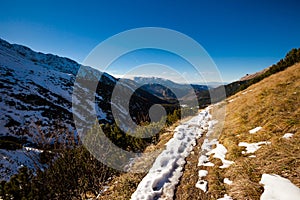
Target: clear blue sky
(242, 36)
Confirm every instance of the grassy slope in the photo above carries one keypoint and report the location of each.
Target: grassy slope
(274, 104)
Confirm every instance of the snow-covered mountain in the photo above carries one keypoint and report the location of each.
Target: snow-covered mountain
(36, 103)
(36, 91)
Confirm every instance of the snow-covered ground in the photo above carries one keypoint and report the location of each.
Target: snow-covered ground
(278, 188)
(166, 171)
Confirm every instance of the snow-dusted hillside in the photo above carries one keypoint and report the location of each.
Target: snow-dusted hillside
(36, 102)
(36, 91)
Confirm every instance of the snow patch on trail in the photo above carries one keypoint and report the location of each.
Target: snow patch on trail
(202, 184)
(162, 178)
(206, 148)
(202, 173)
(278, 188)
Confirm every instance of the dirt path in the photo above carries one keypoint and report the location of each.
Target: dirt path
(186, 188)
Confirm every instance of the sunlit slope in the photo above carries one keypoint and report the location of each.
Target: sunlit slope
(274, 105)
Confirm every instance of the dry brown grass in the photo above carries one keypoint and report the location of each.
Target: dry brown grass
(273, 104)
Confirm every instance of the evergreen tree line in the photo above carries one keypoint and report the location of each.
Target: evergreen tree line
(291, 58)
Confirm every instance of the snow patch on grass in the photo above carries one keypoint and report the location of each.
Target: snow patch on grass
(202, 185)
(252, 131)
(252, 147)
(220, 152)
(227, 181)
(278, 188)
(202, 173)
(206, 148)
(288, 135)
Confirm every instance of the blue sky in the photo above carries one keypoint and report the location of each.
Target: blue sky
(241, 36)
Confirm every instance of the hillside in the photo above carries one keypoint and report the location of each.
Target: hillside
(265, 117)
(251, 76)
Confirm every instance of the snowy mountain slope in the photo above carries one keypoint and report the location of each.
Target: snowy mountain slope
(38, 87)
(12, 160)
(36, 90)
(36, 101)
